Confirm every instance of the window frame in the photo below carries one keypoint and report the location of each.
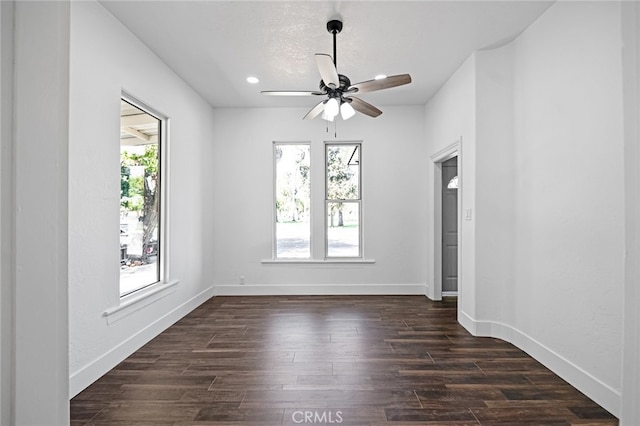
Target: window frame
(328, 201)
(163, 200)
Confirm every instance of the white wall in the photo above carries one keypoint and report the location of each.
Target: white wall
(450, 118)
(630, 411)
(40, 170)
(6, 211)
(105, 59)
(394, 213)
(569, 199)
(549, 198)
(495, 185)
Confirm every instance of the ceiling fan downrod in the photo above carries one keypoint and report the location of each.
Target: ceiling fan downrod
(334, 27)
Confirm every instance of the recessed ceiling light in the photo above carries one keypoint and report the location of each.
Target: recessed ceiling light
(380, 77)
(252, 80)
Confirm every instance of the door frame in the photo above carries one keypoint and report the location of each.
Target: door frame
(453, 150)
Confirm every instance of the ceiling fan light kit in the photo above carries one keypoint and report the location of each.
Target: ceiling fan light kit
(346, 110)
(326, 116)
(332, 107)
(337, 88)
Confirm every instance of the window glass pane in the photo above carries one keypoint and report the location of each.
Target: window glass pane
(293, 200)
(343, 229)
(343, 172)
(139, 199)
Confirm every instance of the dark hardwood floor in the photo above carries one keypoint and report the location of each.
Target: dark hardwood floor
(356, 360)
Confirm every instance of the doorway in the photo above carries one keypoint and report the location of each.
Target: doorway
(449, 233)
(445, 262)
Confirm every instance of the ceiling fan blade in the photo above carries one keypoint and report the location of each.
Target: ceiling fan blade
(383, 83)
(289, 93)
(363, 107)
(315, 111)
(327, 70)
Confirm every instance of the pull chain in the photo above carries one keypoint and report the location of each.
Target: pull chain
(335, 128)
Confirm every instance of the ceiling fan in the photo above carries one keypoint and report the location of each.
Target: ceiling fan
(338, 90)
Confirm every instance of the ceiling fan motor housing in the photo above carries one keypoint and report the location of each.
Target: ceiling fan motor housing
(344, 85)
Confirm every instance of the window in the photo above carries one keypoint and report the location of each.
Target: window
(343, 199)
(292, 200)
(141, 140)
(296, 223)
(453, 183)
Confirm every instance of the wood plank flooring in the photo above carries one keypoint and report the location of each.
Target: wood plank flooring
(348, 360)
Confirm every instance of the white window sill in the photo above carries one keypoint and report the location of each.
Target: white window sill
(317, 261)
(138, 300)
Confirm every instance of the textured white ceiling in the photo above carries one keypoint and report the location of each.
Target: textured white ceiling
(215, 45)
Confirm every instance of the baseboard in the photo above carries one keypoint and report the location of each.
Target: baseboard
(467, 322)
(595, 389)
(79, 380)
(319, 289)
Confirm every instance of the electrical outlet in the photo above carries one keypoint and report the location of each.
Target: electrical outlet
(241, 279)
